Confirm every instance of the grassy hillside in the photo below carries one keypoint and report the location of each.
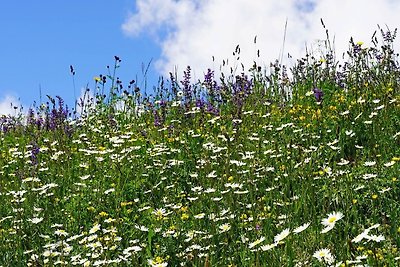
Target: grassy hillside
(267, 167)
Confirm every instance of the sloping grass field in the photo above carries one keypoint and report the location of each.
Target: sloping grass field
(271, 166)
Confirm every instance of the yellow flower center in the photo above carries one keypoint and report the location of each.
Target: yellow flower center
(332, 220)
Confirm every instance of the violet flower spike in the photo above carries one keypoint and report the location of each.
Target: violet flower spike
(318, 94)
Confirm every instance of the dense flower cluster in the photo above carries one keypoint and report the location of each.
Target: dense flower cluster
(253, 170)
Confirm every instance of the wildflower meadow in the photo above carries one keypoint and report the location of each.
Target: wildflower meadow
(255, 166)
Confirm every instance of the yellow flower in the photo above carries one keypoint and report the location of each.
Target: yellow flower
(123, 204)
(184, 216)
(91, 208)
(157, 262)
(103, 214)
(97, 79)
(374, 196)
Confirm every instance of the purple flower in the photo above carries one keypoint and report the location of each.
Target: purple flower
(157, 119)
(187, 88)
(200, 103)
(34, 152)
(211, 109)
(163, 103)
(318, 94)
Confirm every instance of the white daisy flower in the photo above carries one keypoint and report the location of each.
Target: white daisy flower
(360, 237)
(94, 229)
(268, 247)
(35, 220)
(255, 243)
(327, 229)
(369, 163)
(60, 232)
(324, 255)
(200, 216)
(332, 219)
(224, 227)
(389, 164)
(301, 228)
(376, 238)
(282, 235)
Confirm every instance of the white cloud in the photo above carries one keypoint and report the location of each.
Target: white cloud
(7, 104)
(193, 31)
(154, 14)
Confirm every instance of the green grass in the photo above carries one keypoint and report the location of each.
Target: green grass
(212, 173)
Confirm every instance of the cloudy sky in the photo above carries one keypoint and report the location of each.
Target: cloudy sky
(39, 41)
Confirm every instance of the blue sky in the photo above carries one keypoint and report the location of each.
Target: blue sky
(41, 39)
